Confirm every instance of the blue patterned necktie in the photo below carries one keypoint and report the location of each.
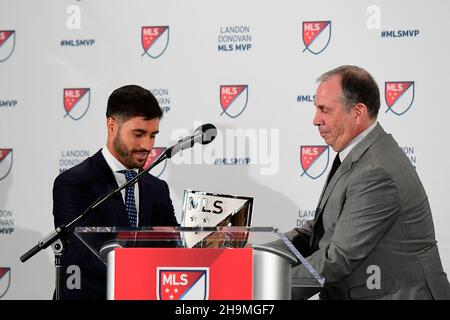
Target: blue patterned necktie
(130, 203)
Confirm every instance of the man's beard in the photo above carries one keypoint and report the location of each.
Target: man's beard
(125, 153)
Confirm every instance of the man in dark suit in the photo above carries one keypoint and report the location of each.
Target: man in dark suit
(372, 236)
(132, 121)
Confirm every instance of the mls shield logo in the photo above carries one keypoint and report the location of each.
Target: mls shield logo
(5, 280)
(7, 44)
(316, 35)
(155, 40)
(76, 102)
(154, 154)
(6, 161)
(314, 160)
(233, 99)
(174, 283)
(399, 96)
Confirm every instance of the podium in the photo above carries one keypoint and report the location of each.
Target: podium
(197, 263)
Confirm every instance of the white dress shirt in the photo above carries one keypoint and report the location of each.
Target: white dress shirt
(344, 153)
(116, 166)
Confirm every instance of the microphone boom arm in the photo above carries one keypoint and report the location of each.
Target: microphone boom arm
(62, 230)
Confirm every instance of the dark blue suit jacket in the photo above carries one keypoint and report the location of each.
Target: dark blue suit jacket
(77, 188)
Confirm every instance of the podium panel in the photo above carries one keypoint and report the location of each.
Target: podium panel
(180, 274)
(226, 263)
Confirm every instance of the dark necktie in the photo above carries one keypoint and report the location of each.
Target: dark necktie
(130, 203)
(334, 167)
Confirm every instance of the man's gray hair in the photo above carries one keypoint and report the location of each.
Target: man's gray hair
(358, 86)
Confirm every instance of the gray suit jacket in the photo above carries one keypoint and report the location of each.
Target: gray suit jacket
(374, 214)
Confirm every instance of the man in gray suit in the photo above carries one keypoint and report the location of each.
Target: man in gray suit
(372, 236)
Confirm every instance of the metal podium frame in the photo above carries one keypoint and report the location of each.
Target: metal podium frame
(273, 254)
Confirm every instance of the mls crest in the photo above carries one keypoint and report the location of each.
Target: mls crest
(154, 154)
(155, 40)
(76, 102)
(316, 35)
(233, 99)
(5, 280)
(314, 160)
(178, 283)
(7, 43)
(6, 161)
(399, 96)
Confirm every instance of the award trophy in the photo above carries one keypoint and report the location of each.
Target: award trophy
(211, 210)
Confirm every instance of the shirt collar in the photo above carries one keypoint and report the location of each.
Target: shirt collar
(344, 153)
(113, 163)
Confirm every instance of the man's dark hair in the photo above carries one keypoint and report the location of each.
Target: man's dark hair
(358, 86)
(133, 101)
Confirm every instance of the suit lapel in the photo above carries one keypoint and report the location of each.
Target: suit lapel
(343, 168)
(145, 202)
(114, 206)
(346, 165)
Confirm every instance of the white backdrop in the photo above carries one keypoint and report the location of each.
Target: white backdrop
(200, 50)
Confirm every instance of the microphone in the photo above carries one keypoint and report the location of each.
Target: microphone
(203, 135)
